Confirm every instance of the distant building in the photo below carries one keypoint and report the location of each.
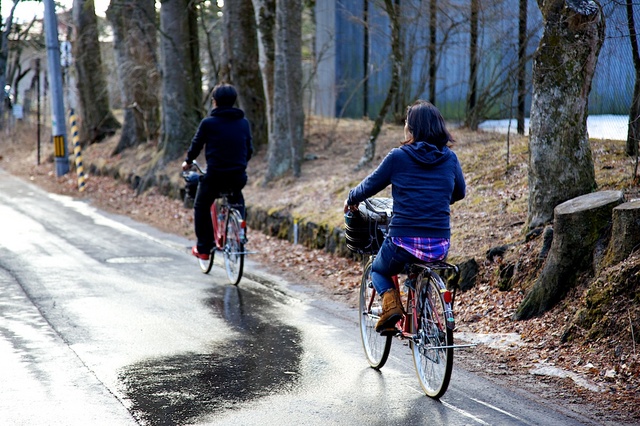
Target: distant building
(353, 57)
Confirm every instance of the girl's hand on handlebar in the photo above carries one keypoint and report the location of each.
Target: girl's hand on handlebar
(185, 166)
(348, 207)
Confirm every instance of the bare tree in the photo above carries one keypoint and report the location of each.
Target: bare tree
(135, 32)
(211, 47)
(560, 162)
(433, 32)
(15, 73)
(97, 120)
(472, 119)
(4, 56)
(416, 53)
(265, 13)
(633, 136)
(181, 77)
(522, 64)
(240, 35)
(396, 60)
(286, 144)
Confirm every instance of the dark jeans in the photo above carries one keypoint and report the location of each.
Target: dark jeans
(210, 188)
(391, 260)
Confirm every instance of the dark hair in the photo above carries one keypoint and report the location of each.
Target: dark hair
(426, 124)
(224, 94)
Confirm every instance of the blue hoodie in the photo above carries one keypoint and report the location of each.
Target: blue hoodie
(425, 181)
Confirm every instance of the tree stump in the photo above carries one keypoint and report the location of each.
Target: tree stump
(578, 225)
(625, 233)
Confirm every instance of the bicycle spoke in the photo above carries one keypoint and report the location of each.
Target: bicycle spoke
(234, 248)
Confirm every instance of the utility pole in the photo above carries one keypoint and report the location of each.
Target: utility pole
(38, 92)
(58, 128)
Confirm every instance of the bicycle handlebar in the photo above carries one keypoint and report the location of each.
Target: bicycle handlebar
(383, 210)
(194, 164)
(370, 206)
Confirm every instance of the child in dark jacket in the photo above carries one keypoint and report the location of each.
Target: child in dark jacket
(225, 136)
(425, 178)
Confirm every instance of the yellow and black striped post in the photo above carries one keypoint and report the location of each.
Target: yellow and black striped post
(77, 150)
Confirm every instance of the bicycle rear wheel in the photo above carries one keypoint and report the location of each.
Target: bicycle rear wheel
(234, 248)
(376, 347)
(432, 347)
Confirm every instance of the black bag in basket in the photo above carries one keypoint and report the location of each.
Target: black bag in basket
(361, 227)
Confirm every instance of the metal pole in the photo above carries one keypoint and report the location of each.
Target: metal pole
(38, 96)
(58, 128)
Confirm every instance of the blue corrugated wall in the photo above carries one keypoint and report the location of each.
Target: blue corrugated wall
(612, 85)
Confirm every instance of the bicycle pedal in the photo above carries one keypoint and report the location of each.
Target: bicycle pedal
(389, 332)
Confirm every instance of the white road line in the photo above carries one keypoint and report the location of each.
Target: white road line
(506, 413)
(464, 413)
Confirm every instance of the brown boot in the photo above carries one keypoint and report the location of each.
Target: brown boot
(391, 311)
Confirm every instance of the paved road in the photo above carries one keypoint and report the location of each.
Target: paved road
(107, 321)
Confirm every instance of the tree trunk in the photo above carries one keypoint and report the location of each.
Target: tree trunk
(522, 64)
(293, 76)
(625, 233)
(286, 147)
(579, 224)
(433, 31)
(97, 120)
(265, 13)
(181, 77)
(4, 57)
(211, 29)
(633, 136)
(365, 59)
(134, 32)
(560, 163)
(242, 49)
(396, 60)
(472, 118)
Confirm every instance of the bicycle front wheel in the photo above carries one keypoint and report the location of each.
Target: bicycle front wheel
(432, 346)
(234, 248)
(376, 347)
(206, 265)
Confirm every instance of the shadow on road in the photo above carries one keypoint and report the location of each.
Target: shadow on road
(264, 360)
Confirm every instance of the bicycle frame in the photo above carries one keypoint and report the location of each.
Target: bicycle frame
(408, 322)
(219, 219)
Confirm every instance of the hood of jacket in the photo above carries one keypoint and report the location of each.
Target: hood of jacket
(230, 113)
(426, 153)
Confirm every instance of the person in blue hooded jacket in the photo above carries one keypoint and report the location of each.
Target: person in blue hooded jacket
(425, 178)
(225, 136)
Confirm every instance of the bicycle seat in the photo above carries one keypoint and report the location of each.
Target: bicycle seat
(227, 194)
(439, 265)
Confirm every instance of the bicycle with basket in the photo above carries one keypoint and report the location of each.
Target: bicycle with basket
(428, 321)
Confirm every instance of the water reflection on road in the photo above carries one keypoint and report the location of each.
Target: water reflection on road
(261, 358)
